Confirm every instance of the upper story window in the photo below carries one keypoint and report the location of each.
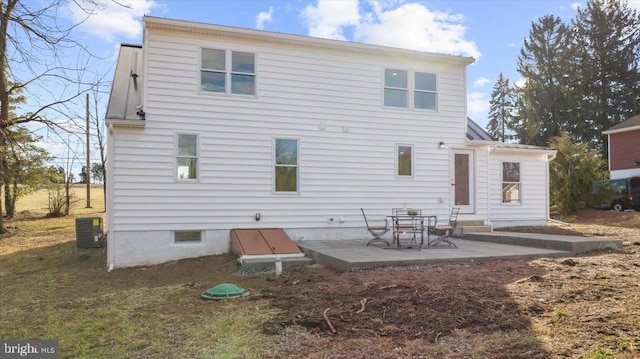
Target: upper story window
(229, 72)
(286, 165)
(424, 93)
(405, 160)
(397, 89)
(511, 182)
(187, 157)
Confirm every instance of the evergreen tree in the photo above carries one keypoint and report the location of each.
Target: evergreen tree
(546, 63)
(608, 44)
(25, 167)
(82, 176)
(500, 110)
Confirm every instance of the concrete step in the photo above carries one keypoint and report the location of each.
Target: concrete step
(265, 263)
(463, 223)
(558, 242)
(464, 230)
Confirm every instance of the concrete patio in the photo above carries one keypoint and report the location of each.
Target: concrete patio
(475, 248)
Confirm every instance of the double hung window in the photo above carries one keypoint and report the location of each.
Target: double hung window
(404, 160)
(398, 89)
(229, 72)
(511, 182)
(424, 93)
(286, 165)
(187, 157)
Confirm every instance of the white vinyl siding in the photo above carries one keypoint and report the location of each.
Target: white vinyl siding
(327, 99)
(533, 187)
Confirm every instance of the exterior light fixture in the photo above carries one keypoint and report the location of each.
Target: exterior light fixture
(441, 145)
(636, 163)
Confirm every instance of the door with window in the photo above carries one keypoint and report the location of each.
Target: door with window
(462, 180)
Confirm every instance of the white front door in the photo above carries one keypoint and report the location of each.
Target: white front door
(462, 180)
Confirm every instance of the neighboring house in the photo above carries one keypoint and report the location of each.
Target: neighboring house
(213, 128)
(624, 148)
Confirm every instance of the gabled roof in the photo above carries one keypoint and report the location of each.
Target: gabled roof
(125, 100)
(477, 133)
(479, 136)
(631, 124)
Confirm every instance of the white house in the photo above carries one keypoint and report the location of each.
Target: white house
(213, 128)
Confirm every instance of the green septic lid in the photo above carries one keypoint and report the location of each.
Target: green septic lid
(224, 291)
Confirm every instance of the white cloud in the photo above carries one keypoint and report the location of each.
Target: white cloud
(328, 18)
(110, 20)
(634, 4)
(481, 81)
(391, 23)
(576, 5)
(478, 107)
(264, 17)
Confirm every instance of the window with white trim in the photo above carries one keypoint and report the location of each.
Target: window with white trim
(396, 88)
(424, 93)
(511, 182)
(219, 68)
(404, 160)
(286, 166)
(187, 157)
(422, 90)
(187, 237)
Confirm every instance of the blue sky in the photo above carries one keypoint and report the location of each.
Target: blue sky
(490, 31)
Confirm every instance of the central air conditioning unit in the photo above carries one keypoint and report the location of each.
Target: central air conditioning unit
(89, 232)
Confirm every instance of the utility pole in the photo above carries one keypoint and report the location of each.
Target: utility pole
(88, 154)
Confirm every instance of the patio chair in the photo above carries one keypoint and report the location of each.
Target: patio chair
(377, 231)
(443, 233)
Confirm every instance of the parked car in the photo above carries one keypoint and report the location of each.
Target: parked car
(619, 194)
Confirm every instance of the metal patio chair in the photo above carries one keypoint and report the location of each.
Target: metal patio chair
(377, 231)
(443, 233)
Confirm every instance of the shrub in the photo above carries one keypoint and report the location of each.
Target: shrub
(572, 173)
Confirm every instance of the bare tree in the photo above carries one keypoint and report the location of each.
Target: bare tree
(35, 47)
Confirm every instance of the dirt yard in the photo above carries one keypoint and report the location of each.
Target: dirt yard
(587, 306)
(580, 307)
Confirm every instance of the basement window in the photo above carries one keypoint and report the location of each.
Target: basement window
(187, 237)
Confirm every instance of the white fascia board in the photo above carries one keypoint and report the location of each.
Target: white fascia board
(620, 130)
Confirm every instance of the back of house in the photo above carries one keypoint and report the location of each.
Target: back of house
(213, 128)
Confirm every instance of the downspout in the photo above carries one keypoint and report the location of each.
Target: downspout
(109, 201)
(490, 149)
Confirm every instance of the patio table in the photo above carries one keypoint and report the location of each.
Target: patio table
(410, 224)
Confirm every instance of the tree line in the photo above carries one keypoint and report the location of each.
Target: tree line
(35, 45)
(578, 79)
